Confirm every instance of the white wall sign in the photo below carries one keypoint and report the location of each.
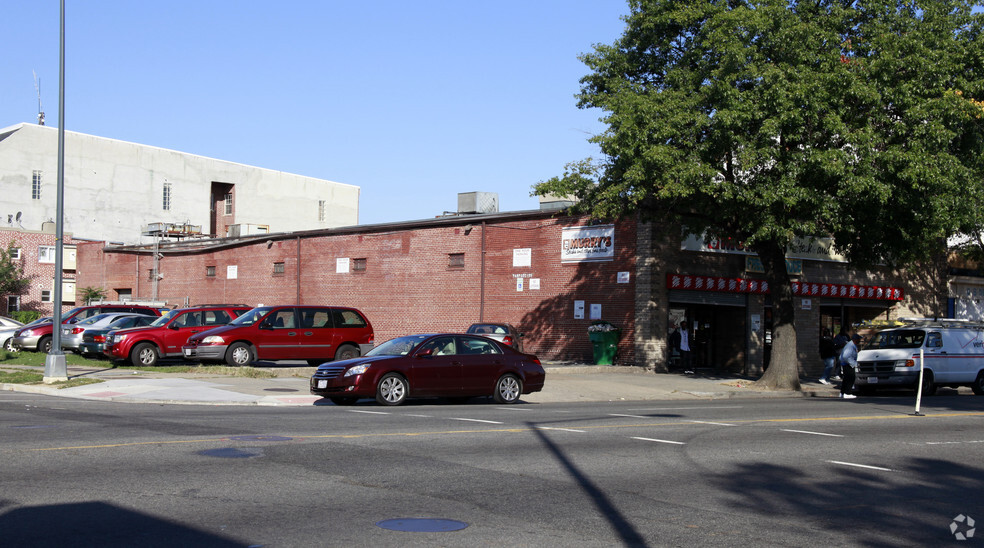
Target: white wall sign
(756, 323)
(341, 265)
(523, 257)
(807, 304)
(578, 310)
(519, 284)
(232, 272)
(595, 311)
(588, 243)
(534, 283)
(623, 277)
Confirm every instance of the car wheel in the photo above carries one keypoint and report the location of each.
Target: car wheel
(347, 352)
(239, 354)
(508, 389)
(144, 355)
(978, 386)
(44, 345)
(342, 400)
(928, 386)
(8, 345)
(392, 389)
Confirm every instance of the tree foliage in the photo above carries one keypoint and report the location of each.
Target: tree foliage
(91, 293)
(768, 120)
(12, 280)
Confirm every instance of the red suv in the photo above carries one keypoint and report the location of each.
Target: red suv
(145, 346)
(37, 337)
(313, 333)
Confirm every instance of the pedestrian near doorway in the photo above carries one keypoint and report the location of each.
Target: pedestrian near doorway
(849, 363)
(686, 359)
(828, 354)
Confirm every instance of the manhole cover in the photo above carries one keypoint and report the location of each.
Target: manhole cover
(280, 389)
(229, 453)
(422, 525)
(260, 438)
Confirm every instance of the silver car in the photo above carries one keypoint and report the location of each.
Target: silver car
(502, 332)
(7, 328)
(72, 333)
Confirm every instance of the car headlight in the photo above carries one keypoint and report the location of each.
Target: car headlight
(213, 339)
(357, 370)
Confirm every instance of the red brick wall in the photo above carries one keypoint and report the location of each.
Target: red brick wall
(407, 285)
(41, 275)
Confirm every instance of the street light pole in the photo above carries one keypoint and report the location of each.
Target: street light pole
(55, 367)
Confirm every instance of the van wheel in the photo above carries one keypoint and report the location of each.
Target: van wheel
(239, 354)
(978, 386)
(144, 355)
(928, 386)
(347, 352)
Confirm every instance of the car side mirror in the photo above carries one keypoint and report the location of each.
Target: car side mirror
(265, 325)
(425, 353)
(173, 326)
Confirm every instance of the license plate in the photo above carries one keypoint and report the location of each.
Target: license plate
(872, 380)
(322, 384)
(188, 353)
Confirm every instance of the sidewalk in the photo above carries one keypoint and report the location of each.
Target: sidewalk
(564, 383)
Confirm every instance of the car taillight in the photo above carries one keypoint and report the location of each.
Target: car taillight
(99, 338)
(507, 340)
(77, 330)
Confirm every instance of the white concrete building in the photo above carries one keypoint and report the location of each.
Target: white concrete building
(115, 189)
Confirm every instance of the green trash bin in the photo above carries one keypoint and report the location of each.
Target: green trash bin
(605, 346)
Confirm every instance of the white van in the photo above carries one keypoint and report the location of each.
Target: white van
(953, 351)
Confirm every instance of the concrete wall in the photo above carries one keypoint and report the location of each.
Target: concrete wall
(113, 189)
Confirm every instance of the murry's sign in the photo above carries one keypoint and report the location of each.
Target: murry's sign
(588, 243)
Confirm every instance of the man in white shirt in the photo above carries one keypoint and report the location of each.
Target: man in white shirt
(686, 360)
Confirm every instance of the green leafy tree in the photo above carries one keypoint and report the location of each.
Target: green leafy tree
(12, 280)
(768, 120)
(89, 294)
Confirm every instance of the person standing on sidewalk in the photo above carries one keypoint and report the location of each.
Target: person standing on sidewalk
(849, 362)
(686, 359)
(828, 354)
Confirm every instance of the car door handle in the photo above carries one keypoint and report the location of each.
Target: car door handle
(308, 333)
(292, 333)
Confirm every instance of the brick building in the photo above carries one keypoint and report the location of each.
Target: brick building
(550, 274)
(34, 251)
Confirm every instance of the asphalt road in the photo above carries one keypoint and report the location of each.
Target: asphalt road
(791, 472)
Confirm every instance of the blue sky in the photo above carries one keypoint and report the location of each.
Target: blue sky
(413, 102)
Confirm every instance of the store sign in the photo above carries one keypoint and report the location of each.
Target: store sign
(761, 287)
(816, 249)
(588, 243)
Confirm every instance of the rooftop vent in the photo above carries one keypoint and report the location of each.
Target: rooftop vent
(477, 202)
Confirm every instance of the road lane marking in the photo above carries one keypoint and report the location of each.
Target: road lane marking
(813, 433)
(420, 416)
(952, 442)
(475, 420)
(630, 416)
(660, 441)
(368, 412)
(713, 423)
(561, 429)
(865, 466)
(688, 407)
(514, 408)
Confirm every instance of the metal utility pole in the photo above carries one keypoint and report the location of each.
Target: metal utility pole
(55, 367)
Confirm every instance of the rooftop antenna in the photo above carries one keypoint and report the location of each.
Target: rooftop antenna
(37, 87)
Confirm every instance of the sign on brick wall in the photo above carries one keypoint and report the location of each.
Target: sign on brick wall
(588, 243)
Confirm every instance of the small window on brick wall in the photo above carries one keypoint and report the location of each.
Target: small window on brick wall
(358, 265)
(278, 269)
(456, 260)
(45, 295)
(210, 271)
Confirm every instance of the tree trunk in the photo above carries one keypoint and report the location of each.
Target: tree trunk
(783, 371)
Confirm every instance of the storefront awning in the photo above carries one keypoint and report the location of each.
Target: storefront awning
(761, 287)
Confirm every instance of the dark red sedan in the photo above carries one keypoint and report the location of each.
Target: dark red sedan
(438, 365)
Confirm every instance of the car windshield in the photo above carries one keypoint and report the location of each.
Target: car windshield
(487, 329)
(164, 319)
(398, 347)
(898, 338)
(93, 319)
(125, 321)
(251, 317)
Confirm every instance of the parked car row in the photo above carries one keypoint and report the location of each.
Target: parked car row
(486, 361)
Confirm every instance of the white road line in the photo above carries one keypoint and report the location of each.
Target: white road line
(630, 416)
(475, 420)
(660, 441)
(562, 429)
(421, 416)
(714, 423)
(813, 433)
(952, 442)
(368, 412)
(514, 408)
(689, 407)
(861, 466)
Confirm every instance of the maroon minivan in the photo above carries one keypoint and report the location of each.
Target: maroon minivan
(316, 334)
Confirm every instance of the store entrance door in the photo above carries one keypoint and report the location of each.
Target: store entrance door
(719, 338)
